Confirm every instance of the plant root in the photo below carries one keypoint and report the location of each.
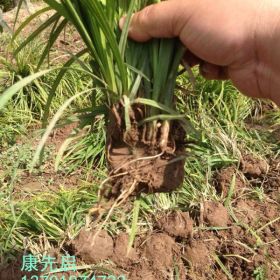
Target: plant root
(152, 155)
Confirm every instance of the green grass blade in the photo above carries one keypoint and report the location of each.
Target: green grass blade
(138, 72)
(155, 104)
(53, 37)
(167, 98)
(38, 31)
(56, 83)
(51, 126)
(222, 266)
(96, 8)
(10, 92)
(58, 7)
(161, 71)
(123, 40)
(19, 5)
(135, 88)
(28, 20)
(133, 230)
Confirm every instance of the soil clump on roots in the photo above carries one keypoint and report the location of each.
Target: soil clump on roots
(147, 157)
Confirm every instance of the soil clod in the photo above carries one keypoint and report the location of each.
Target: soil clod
(135, 159)
(197, 254)
(94, 248)
(159, 250)
(215, 214)
(177, 224)
(253, 167)
(224, 179)
(121, 256)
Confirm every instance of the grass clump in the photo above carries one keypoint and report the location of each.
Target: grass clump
(145, 134)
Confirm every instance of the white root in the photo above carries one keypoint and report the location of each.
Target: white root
(165, 128)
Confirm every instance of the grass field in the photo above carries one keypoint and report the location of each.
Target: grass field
(222, 223)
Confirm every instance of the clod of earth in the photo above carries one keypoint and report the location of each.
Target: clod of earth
(223, 181)
(154, 256)
(177, 224)
(215, 214)
(245, 212)
(162, 253)
(159, 250)
(121, 256)
(197, 254)
(93, 248)
(143, 159)
(142, 271)
(253, 167)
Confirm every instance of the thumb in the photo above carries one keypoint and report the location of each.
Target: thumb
(163, 20)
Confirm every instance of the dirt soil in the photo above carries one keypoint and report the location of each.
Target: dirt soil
(47, 179)
(241, 240)
(140, 159)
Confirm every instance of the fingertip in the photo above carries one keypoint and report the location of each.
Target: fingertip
(156, 21)
(122, 22)
(134, 32)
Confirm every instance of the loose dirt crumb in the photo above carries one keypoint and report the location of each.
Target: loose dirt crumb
(245, 211)
(215, 214)
(94, 251)
(177, 224)
(272, 180)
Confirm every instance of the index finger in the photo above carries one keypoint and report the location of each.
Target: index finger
(163, 20)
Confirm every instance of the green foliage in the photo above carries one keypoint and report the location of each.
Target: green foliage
(83, 149)
(58, 215)
(259, 273)
(31, 99)
(7, 5)
(118, 66)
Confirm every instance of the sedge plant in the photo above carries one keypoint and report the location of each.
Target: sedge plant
(145, 134)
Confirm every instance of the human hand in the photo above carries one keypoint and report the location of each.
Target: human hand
(234, 39)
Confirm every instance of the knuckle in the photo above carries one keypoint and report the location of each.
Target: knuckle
(145, 16)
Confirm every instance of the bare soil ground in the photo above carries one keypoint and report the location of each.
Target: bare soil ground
(239, 239)
(139, 162)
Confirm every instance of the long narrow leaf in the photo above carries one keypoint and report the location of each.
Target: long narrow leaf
(50, 127)
(53, 36)
(56, 83)
(10, 92)
(28, 20)
(155, 104)
(123, 40)
(133, 230)
(38, 31)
